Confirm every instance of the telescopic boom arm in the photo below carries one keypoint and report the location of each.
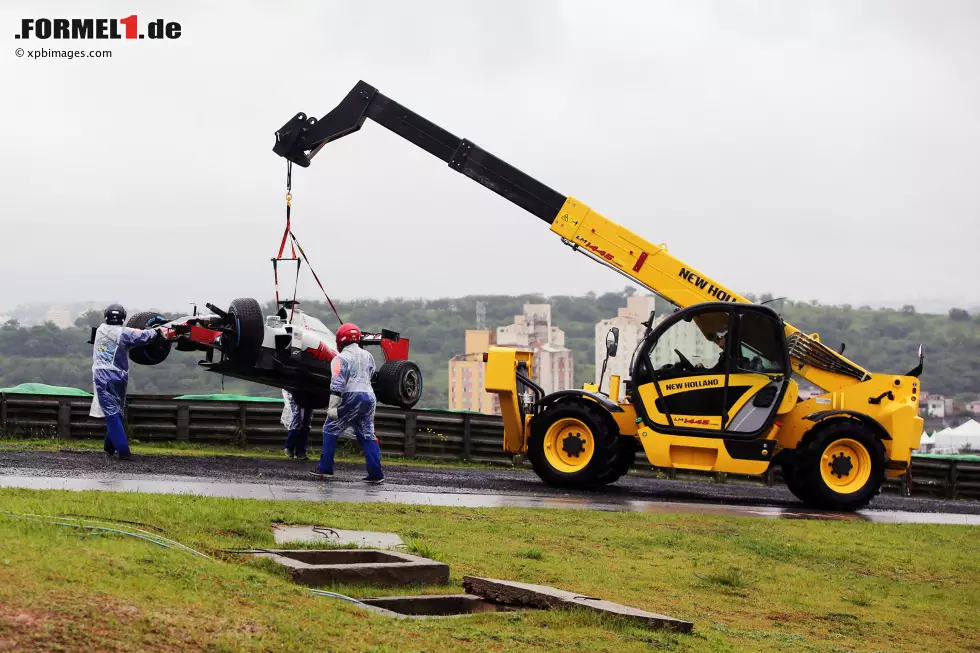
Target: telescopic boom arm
(579, 226)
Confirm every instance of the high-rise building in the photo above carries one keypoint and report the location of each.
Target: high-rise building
(467, 376)
(60, 317)
(684, 336)
(638, 309)
(553, 367)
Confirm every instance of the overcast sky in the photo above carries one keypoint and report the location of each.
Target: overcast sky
(820, 150)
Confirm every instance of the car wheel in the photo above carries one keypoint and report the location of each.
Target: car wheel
(398, 383)
(249, 330)
(155, 352)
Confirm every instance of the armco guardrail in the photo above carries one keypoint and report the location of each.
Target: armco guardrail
(424, 434)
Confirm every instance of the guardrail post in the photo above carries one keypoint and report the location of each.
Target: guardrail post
(410, 431)
(3, 414)
(951, 480)
(243, 420)
(183, 422)
(64, 418)
(467, 437)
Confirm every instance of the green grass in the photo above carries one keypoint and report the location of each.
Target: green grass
(346, 451)
(748, 584)
(531, 554)
(418, 546)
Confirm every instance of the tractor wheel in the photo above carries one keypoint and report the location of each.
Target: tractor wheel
(569, 445)
(840, 467)
(249, 330)
(624, 455)
(157, 351)
(792, 477)
(398, 383)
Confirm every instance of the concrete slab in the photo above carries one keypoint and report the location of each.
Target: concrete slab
(386, 568)
(368, 539)
(544, 597)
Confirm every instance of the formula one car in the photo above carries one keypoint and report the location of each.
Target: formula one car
(290, 350)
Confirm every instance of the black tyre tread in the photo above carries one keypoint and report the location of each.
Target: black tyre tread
(387, 384)
(815, 491)
(617, 455)
(792, 478)
(155, 352)
(251, 326)
(621, 461)
(595, 419)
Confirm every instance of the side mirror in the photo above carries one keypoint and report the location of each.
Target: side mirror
(917, 370)
(612, 342)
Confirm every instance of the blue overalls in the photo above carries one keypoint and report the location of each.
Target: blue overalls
(110, 376)
(351, 373)
(299, 427)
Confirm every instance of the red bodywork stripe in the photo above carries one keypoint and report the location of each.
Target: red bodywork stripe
(395, 351)
(321, 353)
(204, 336)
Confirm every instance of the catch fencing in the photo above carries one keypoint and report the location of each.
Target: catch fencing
(421, 434)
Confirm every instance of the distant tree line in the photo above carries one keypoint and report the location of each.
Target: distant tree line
(883, 340)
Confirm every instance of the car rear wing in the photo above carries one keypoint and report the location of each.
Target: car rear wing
(395, 347)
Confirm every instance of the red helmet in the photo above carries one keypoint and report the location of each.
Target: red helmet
(348, 333)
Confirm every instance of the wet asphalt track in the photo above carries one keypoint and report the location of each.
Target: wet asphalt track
(288, 479)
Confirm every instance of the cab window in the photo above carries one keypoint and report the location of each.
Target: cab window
(760, 347)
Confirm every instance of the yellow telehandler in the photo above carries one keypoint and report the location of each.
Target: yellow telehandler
(711, 385)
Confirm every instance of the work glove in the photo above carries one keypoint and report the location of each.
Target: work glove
(333, 407)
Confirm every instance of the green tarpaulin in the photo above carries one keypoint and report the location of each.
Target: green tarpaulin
(948, 456)
(43, 389)
(220, 397)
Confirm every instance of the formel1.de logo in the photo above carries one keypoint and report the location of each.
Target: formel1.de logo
(96, 28)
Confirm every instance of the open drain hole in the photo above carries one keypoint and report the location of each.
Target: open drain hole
(438, 605)
(342, 556)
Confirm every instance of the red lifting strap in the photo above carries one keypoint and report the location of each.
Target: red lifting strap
(293, 246)
(306, 258)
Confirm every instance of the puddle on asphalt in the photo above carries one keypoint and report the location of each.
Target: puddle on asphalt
(351, 494)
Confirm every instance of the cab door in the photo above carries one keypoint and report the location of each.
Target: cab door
(715, 370)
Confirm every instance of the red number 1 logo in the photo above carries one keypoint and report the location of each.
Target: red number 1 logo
(130, 23)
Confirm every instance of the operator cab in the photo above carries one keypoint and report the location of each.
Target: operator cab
(714, 369)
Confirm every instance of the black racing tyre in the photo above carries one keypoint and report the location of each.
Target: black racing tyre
(398, 383)
(249, 329)
(840, 466)
(569, 445)
(312, 399)
(155, 352)
(622, 459)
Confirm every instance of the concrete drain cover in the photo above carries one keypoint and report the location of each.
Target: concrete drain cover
(540, 596)
(322, 567)
(434, 605)
(286, 534)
